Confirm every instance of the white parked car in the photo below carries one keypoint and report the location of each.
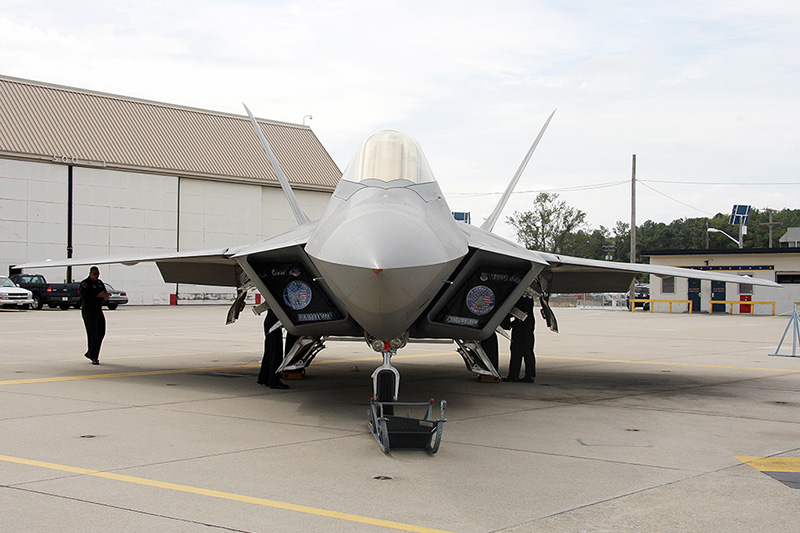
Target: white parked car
(13, 296)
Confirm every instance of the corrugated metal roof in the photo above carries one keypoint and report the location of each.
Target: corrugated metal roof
(49, 122)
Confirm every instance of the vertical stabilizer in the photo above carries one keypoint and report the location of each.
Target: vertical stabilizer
(488, 225)
(299, 214)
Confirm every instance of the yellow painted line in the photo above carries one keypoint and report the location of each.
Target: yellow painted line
(773, 464)
(125, 374)
(223, 495)
(664, 363)
(190, 370)
(120, 357)
(373, 359)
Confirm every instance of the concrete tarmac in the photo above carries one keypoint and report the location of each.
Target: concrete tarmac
(636, 422)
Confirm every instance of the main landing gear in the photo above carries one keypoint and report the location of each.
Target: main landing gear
(393, 431)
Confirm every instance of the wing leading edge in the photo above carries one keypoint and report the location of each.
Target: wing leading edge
(575, 274)
(205, 267)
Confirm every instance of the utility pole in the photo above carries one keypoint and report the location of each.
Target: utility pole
(771, 225)
(633, 210)
(632, 288)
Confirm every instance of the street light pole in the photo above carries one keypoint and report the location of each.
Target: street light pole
(715, 230)
(633, 209)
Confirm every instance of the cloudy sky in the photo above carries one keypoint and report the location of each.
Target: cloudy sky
(704, 93)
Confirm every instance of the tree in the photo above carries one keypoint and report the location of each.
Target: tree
(594, 245)
(622, 241)
(549, 225)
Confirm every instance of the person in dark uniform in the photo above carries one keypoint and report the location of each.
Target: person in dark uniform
(489, 346)
(522, 344)
(273, 354)
(93, 294)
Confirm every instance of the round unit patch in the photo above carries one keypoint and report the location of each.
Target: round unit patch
(297, 295)
(480, 300)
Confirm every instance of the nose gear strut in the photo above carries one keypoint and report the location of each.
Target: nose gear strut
(392, 431)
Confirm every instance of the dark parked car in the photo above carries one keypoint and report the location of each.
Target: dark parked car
(642, 292)
(63, 295)
(117, 297)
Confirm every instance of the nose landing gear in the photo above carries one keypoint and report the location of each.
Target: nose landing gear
(399, 432)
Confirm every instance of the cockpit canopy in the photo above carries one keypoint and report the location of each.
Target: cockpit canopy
(389, 155)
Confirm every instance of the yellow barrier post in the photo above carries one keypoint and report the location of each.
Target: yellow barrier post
(739, 302)
(670, 302)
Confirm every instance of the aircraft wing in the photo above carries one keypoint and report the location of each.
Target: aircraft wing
(218, 266)
(565, 273)
(576, 274)
(204, 267)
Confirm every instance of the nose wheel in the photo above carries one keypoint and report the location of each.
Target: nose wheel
(396, 431)
(386, 379)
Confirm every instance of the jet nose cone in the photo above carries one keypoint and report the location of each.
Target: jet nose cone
(385, 302)
(387, 238)
(386, 266)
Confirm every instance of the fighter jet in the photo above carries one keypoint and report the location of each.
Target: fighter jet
(388, 262)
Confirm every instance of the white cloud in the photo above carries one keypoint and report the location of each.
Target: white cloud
(699, 91)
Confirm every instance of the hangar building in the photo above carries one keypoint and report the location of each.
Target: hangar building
(86, 174)
(776, 264)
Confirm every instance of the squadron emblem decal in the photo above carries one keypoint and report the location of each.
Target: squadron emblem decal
(480, 300)
(297, 295)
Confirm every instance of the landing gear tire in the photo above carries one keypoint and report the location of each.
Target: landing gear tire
(386, 387)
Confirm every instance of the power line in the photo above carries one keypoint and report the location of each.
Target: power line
(748, 183)
(617, 183)
(674, 199)
(536, 191)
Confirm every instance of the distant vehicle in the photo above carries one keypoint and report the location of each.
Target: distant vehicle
(117, 297)
(641, 292)
(63, 295)
(12, 296)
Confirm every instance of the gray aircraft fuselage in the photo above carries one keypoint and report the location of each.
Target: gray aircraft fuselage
(387, 242)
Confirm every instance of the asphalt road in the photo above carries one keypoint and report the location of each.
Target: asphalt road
(636, 422)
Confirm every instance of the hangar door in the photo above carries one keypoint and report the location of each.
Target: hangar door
(694, 294)
(718, 293)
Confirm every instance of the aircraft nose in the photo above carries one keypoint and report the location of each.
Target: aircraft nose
(386, 267)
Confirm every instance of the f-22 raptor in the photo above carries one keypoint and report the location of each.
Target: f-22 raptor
(388, 262)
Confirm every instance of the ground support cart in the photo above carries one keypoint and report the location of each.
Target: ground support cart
(394, 432)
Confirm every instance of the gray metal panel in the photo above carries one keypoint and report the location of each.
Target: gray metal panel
(190, 271)
(590, 281)
(40, 121)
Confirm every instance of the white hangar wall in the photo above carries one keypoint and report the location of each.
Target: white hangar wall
(218, 214)
(125, 213)
(33, 211)
(129, 213)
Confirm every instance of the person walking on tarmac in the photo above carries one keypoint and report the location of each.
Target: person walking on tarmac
(93, 294)
(522, 344)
